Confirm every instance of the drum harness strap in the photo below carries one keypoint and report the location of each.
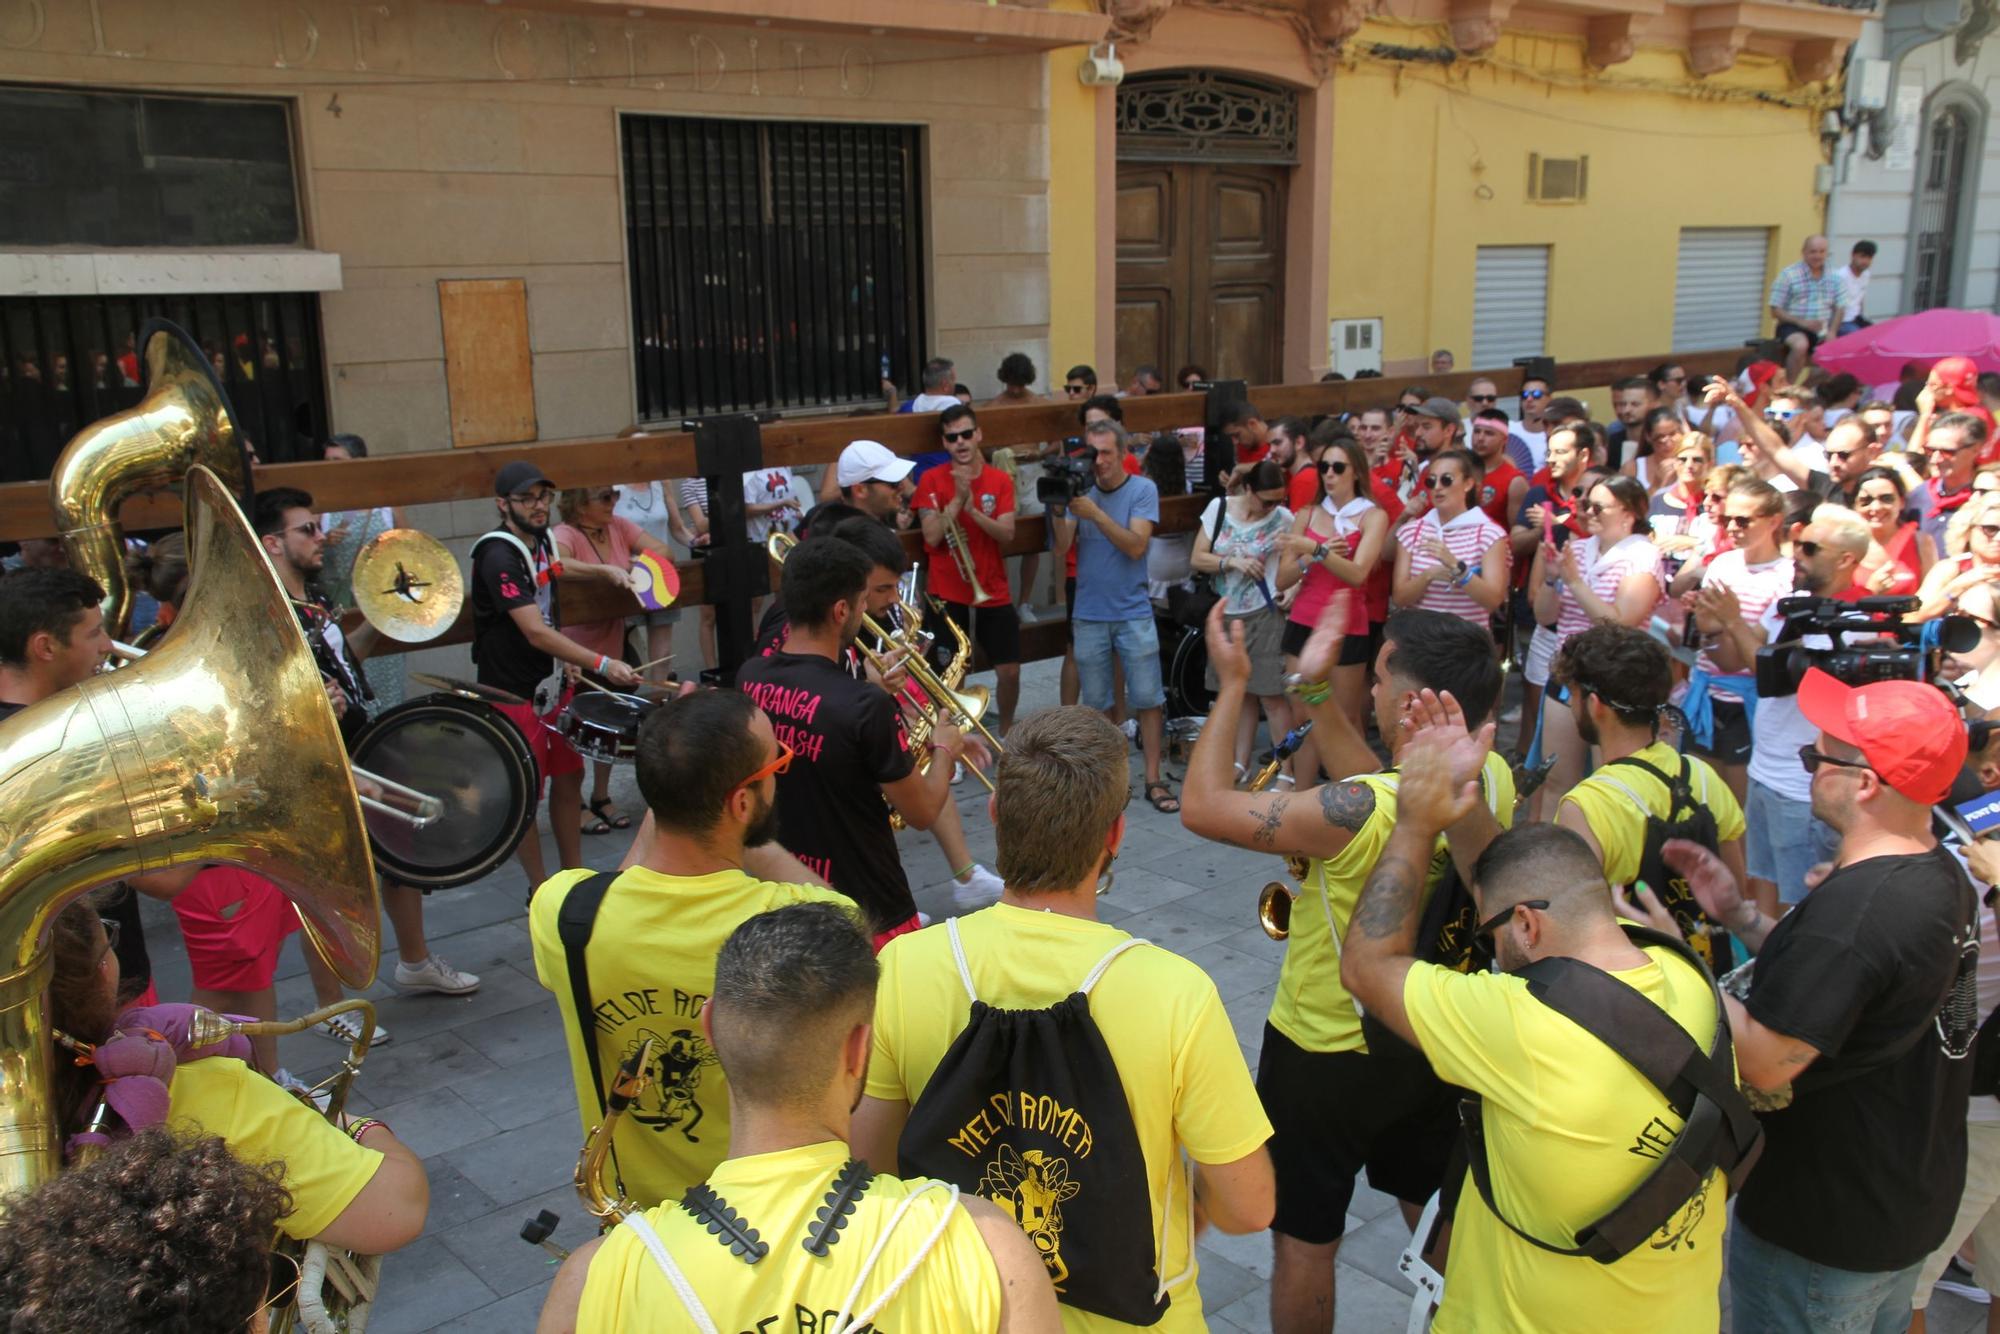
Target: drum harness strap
(575, 921)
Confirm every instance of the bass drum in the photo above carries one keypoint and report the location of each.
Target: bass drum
(474, 761)
(1184, 655)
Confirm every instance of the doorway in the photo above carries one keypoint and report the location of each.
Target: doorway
(1937, 224)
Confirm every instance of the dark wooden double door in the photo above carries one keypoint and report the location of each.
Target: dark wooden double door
(1201, 269)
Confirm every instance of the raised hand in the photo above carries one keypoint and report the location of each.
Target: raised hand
(1647, 911)
(1434, 718)
(1714, 888)
(1322, 649)
(1430, 796)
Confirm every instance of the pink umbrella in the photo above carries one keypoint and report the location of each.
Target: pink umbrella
(1877, 354)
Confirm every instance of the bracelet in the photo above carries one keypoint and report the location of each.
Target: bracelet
(1466, 574)
(603, 662)
(356, 1129)
(1313, 693)
(1319, 551)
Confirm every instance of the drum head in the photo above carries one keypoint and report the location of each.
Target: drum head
(612, 711)
(1187, 677)
(475, 763)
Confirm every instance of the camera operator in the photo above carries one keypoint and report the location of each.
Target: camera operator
(1846, 1012)
(1785, 841)
(1109, 527)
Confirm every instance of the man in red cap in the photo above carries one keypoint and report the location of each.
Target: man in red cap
(1853, 1010)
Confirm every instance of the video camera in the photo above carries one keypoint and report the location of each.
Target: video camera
(1901, 652)
(1067, 475)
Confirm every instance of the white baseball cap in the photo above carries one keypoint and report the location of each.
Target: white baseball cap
(870, 461)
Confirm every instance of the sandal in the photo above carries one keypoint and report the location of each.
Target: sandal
(1162, 798)
(608, 820)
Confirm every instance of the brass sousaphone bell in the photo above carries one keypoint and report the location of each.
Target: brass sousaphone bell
(184, 421)
(218, 746)
(1275, 900)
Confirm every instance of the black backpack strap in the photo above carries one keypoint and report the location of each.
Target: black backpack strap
(575, 920)
(1719, 1130)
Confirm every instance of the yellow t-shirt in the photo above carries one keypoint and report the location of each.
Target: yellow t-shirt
(261, 1123)
(1184, 1076)
(1311, 1007)
(956, 1287)
(651, 961)
(1571, 1128)
(1618, 823)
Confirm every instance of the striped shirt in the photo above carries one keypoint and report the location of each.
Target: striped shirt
(1469, 537)
(1800, 295)
(1755, 586)
(1604, 574)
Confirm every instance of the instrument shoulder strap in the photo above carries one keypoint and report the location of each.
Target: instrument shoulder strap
(1719, 1131)
(575, 921)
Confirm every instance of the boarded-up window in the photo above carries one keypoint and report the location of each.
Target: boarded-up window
(487, 367)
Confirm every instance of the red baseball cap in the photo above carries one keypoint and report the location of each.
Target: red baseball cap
(1907, 731)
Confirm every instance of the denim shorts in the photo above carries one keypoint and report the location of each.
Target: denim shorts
(1776, 1291)
(1137, 644)
(1782, 841)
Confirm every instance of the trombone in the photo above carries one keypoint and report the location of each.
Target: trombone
(414, 808)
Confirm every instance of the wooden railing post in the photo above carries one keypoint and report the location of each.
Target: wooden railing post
(737, 571)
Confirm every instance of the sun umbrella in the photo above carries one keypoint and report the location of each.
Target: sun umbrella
(1877, 354)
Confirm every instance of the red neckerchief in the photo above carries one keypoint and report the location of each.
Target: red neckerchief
(1942, 503)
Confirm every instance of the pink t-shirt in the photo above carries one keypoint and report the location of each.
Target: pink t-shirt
(1468, 537)
(1605, 573)
(1320, 583)
(1755, 586)
(621, 539)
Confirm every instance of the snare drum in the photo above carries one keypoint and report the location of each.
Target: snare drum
(475, 762)
(602, 726)
(1186, 663)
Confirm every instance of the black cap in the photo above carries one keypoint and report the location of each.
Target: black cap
(518, 476)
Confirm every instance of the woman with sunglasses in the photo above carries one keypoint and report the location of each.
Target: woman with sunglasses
(1977, 527)
(1337, 544)
(1758, 573)
(1659, 442)
(1610, 577)
(1238, 544)
(598, 545)
(1455, 558)
(353, 1186)
(1900, 553)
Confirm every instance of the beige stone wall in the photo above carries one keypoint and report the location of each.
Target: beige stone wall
(442, 140)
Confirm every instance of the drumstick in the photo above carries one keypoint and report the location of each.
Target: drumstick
(654, 663)
(586, 681)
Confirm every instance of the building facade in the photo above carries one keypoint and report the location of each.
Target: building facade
(441, 223)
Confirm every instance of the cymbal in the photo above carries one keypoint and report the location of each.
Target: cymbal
(467, 689)
(408, 586)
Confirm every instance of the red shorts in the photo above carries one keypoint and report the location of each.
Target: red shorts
(915, 923)
(234, 922)
(554, 756)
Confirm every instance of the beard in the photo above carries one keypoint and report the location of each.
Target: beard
(1586, 728)
(1510, 959)
(763, 826)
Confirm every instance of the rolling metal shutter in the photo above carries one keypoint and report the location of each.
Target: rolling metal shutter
(1720, 287)
(1510, 305)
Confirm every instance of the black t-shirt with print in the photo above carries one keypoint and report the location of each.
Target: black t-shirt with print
(1863, 1170)
(119, 902)
(335, 659)
(502, 581)
(849, 740)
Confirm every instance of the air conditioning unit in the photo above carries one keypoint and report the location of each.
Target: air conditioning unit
(1558, 180)
(1355, 345)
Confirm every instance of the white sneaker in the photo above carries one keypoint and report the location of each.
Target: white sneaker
(1130, 727)
(320, 1098)
(434, 974)
(981, 888)
(345, 1027)
(958, 773)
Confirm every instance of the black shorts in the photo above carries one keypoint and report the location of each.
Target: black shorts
(1334, 1114)
(1786, 329)
(1732, 734)
(1353, 649)
(997, 630)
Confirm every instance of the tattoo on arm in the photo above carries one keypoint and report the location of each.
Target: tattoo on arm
(1389, 899)
(1268, 820)
(1347, 805)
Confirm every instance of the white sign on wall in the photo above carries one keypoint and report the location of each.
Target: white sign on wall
(1902, 154)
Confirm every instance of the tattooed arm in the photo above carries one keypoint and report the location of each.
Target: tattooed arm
(1315, 823)
(1765, 1058)
(1381, 942)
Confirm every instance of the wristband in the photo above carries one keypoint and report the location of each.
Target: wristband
(603, 662)
(356, 1129)
(1313, 693)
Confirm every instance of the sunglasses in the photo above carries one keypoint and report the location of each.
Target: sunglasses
(1590, 507)
(953, 437)
(1812, 758)
(1673, 379)
(1074, 389)
(779, 764)
(1948, 449)
(1740, 520)
(606, 493)
(1501, 918)
(1338, 467)
(1534, 393)
(1839, 455)
(1989, 531)
(1436, 480)
(1482, 398)
(306, 530)
(1779, 414)
(1713, 498)
(1807, 549)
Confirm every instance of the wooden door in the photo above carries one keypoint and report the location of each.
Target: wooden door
(1201, 269)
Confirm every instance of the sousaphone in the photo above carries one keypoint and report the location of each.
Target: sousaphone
(217, 746)
(184, 421)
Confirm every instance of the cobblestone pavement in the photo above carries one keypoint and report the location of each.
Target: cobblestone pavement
(480, 1086)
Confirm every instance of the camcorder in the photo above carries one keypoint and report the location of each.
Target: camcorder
(1067, 475)
(1894, 651)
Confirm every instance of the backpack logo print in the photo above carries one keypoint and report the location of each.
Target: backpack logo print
(1031, 1187)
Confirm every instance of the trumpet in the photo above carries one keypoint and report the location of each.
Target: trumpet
(961, 555)
(963, 708)
(414, 808)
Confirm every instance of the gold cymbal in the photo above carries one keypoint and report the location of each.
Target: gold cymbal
(467, 689)
(408, 585)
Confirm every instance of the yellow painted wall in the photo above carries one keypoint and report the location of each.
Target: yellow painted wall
(1073, 167)
(1430, 164)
